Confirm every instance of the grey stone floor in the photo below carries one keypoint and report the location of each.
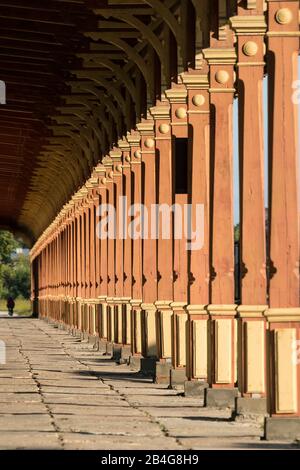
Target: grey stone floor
(56, 392)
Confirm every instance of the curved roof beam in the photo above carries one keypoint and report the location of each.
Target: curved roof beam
(166, 13)
(130, 51)
(93, 59)
(89, 87)
(145, 30)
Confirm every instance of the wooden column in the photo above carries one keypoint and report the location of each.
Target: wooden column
(250, 28)
(68, 273)
(284, 312)
(96, 291)
(61, 271)
(149, 330)
(127, 244)
(163, 140)
(197, 86)
(83, 193)
(177, 97)
(134, 140)
(110, 254)
(87, 218)
(92, 183)
(103, 273)
(78, 214)
(116, 156)
(72, 266)
(222, 309)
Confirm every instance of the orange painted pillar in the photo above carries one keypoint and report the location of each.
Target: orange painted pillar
(163, 141)
(61, 272)
(222, 310)
(87, 244)
(72, 271)
(127, 243)
(197, 85)
(103, 273)
(78, 216)
(149, 326)
(91, 184)
(177, 97)
(83, 261)
(250, 28)
(283, 314)
(134, 140)
(116, 156)
(111, 252)
(96, 262)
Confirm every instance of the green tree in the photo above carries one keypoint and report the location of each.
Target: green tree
(237, 233)
(16, 278)
(14, 268)
(7, 246)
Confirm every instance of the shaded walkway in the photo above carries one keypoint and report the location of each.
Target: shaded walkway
(58, 393)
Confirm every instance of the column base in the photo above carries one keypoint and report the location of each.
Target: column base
(162, 373)
(149, 336)
(116, 355)
(195, 388)
(93, 339)
(177, 377)
(125, 354)
(148, 365)
(102, 346)
(220, 397)
(85, 335)
(287, 429)
(77, 333)
(164, 317)
(134, 363)
(250, 409)
(121, 353)
(109, 349)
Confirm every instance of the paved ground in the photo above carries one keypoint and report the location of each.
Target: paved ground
(58, 393)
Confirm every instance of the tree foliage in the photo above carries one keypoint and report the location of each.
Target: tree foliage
(7, 246)
(14, 268)
(237, 233)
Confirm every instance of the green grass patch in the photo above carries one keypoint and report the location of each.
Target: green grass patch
(23, 306)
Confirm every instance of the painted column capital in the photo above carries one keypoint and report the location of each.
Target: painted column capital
(177, 97)
(249, 25)
(146, 129)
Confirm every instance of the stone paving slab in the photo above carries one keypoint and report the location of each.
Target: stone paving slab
(20, 397)
(47, 390)
(190, 412)
(233, 443)
(84, 400)
(12, 440)
(96, 411)
(208, 426)
(26, 422)
(79, 441)
(16, 388)
(57, 392)
(115, 426)
(22, 408)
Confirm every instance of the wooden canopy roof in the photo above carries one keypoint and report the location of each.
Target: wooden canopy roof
(79, 74)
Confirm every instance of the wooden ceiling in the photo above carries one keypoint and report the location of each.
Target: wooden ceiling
(78, 75)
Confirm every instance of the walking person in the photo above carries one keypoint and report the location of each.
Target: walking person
(10, 306)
